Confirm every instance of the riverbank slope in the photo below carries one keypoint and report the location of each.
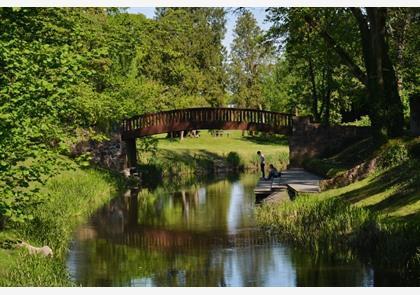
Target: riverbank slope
(71, 198)
(378, 216)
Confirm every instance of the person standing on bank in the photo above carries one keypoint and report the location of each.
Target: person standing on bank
(262, 163)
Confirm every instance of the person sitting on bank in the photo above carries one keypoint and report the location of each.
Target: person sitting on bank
(273, 172)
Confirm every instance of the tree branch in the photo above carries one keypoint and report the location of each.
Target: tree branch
(345, 57)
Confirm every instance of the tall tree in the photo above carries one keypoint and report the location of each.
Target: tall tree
(324, 91)
(379, 76)
(376, 72)
(186, 52)
(249, 55)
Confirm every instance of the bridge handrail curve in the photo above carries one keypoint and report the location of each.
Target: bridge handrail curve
(205, 108)
(215, 114)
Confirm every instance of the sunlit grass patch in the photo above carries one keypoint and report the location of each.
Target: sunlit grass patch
(193, 154)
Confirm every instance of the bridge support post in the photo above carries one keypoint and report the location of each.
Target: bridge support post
(131, 153)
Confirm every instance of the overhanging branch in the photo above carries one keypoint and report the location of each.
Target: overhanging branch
(344, 56)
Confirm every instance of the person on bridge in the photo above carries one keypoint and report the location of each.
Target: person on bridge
(274, 173)
(262, 163)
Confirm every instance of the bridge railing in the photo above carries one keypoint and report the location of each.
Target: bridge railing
(274, 119)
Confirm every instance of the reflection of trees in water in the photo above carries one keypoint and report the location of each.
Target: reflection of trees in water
(164, 208)
(112, 217)
(174, 239)
(317, 269)
(111, 264)
(183, 209)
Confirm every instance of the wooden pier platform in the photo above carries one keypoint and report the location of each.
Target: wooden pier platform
(296, 179)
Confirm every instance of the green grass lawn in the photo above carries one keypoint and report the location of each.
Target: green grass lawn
(230, 141)
(191, 153)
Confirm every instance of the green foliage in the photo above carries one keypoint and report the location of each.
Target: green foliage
(394, 153)
(364, 121)
(249, 56)
(328, 224)
(312, 78)
(404, 27)
(63, 69)
(190, 71)
(147, 147)
(233, 159)
(83, 160)
(328, 67)
(325, 167)
(282, 87)
(41, 57)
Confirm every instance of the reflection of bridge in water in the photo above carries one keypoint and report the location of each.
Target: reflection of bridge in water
(159, 239)
(118, 224)
(125, 247)
(168, 239)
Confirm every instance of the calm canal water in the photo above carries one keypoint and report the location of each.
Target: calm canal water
(202, 234)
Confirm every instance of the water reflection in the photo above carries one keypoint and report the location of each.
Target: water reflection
(203, 234)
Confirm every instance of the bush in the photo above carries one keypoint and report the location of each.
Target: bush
(233, 159)
(364, 121)
(395, 153)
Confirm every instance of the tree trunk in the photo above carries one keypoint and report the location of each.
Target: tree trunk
(314, 92)
(327, 96)
(383, 87)
(385, 106)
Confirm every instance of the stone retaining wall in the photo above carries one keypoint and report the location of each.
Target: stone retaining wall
(313, 140)
(352, 175)
(109, 154)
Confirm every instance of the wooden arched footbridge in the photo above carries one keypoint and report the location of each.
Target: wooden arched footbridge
(206, 118)
(306, 139)
(201, 118)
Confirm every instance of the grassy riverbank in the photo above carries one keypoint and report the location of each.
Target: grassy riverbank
(71, 198)
(378, 216)
(208, 153)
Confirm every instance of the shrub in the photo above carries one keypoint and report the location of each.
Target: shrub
(233, 159)
(364, 121)
(395, 153)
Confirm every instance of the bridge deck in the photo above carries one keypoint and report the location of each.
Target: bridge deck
(296, 179)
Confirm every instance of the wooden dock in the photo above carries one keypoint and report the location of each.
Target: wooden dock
(295, 179)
